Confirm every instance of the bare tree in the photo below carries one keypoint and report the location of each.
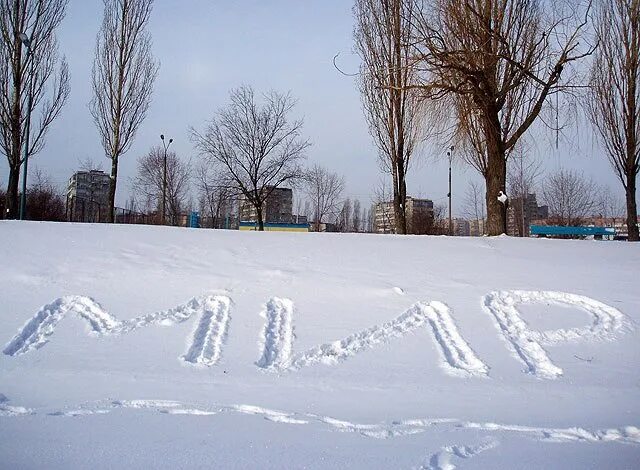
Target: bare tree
(256, 145)
(124, 71)
(302, 208)
(383, 41)
(44, 200)
(344, 217)
(215, 192)
(474, 204)
(570, 197)
(610, 207)
(323, 189)
(28, 81)
(497, 62)
(614, 102)
(365, 225)
(149, 181)
(357, 217)
(131, 205)
(367, 219)
(440, 223)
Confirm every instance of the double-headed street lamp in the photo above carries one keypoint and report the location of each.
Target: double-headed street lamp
(24, 39)
(164, 179)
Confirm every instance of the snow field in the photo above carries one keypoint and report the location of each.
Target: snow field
(314, 350)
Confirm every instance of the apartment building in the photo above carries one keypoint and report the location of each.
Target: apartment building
(461, 227)
(88, 196)
(419, 214)
(477, 227)
(278, 207)
(521, 212)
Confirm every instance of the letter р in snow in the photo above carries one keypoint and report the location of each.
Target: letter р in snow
(527, 343)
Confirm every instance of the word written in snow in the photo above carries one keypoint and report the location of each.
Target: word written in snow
(277, 338)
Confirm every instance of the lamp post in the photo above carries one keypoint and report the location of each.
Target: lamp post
(164, 179)
(450, 155)
(26, 41)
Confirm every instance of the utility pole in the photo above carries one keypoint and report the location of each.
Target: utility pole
(450, 155)
(164, 179)
(24, 39)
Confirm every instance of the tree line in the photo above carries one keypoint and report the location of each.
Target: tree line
(475, 76)
(478, 75)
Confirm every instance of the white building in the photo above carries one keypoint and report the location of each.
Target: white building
(88, 196)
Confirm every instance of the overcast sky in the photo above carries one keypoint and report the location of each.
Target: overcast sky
(207, 47)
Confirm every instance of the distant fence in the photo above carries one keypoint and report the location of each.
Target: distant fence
(84, 210)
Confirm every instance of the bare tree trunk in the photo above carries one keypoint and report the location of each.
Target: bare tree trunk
(400, 199)
(496, 211)
(111, 217)
(16, 130)
(12, 193)
(632, 211)
(260, 218)
(496, 176)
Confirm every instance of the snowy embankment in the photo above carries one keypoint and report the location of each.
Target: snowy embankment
(125, 346)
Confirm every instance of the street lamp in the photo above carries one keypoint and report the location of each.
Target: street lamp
(450, 155)
(164, 178)
(26, 41)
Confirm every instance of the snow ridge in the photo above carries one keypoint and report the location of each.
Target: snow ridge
(204, 347)
(382, 430)
(457, 357)
(527, 343)
(8, 410)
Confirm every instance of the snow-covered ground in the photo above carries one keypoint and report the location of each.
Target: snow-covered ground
(130, 346)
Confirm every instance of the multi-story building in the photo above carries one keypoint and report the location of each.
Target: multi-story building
(323, 227)
(461, 228)
(476, 227)
(277, 207)
(419, 213)
(521, 212)
(88, 196)
(384, 219)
